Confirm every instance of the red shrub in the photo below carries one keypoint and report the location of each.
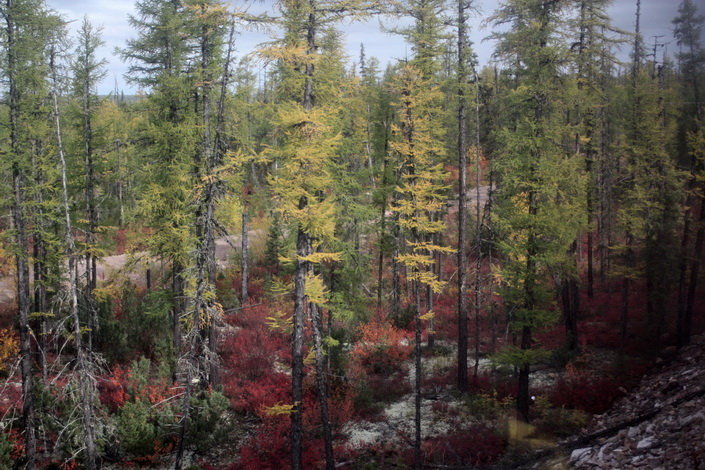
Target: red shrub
(502, 387)
(112, 393)
(583, 392)
(477, 445)
(116, 389)
(270, 448)
(250, 356)
(381, 349)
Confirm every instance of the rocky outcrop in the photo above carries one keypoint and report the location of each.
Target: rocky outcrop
(660, 425)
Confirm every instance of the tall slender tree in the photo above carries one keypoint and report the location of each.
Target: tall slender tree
(539, 205)
(88, 71)
(87, 389)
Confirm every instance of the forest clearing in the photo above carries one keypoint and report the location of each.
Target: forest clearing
(485, 253)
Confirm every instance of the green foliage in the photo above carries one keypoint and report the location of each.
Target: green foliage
(541, 194)
(5, 450)
(136, 324)
(518, 357)
(560, 422)
(137, 429)
(207, 423)
(486, 407)
(421, 189)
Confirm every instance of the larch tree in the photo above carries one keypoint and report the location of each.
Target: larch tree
(159, 58)
(85, 366)
(540, 205)
(421, 194)
(88, 71)
(688, 26)
(26, 30)
(463, 78)
(209, 21)
(302, 183)
(590, 28)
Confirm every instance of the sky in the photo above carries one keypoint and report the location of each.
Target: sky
(112, 16)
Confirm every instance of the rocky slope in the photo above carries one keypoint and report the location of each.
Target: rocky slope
(660, 425)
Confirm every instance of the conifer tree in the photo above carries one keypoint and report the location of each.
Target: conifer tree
(688, 32)
(159, 58)
(87, 389)
(539, 206)
(463, 146)
(421, 194)
(28, 26)
(88, 71)
(591, 27)
(301, 184)
(13, 13)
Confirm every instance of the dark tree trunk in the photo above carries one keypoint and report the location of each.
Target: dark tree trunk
(570, 301)
(396, 277)
(523, 397)
(245, 256)
(40, 268)
(90, 212)
(478, 227)
(383, 220)
(321, 385)
(21, 259)
(626, 288)
(297, 341)
(303, 249)
(418, 457)
(462, 378)
(694, 273)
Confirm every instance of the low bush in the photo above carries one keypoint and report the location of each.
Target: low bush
(137, 430)
(207, 426)
(585, 392)
(476, 445)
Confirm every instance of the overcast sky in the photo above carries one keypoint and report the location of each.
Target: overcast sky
(112, 16)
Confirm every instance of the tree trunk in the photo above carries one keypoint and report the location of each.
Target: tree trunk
(478, 227)
(297, 341)
(87, 390)
(570, 301)
(18, 219)
(321, 385)
(626, 287)
(418, 458)
(694, 273)
(245, 256)
(40, 268)
(462, 378)
(523, 398)
(90, 212)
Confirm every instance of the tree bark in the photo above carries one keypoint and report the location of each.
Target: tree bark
(87, 390)
(478, 227)
(694, 273)
(462, 378)
(21, 259)
(297, 342)
(321, 385)
(244, 295)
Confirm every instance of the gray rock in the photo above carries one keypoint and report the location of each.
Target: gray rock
(645, 443)
(578, 455)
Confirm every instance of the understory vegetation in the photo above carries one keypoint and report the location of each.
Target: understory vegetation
(299, 259)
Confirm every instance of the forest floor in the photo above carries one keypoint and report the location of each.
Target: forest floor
(440, 405)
